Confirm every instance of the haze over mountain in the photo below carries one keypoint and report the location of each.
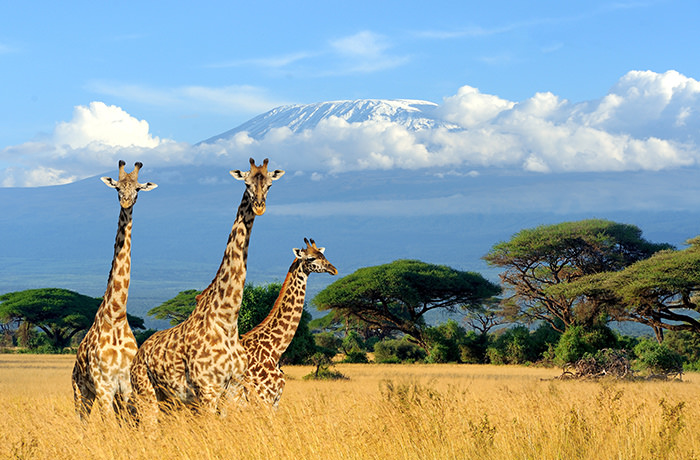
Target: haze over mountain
(371, 180)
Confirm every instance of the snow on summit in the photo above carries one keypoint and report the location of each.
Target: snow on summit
(412, 114)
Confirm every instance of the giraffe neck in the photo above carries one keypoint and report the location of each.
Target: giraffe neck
(221, 300)
(282, 321)
(113, 307)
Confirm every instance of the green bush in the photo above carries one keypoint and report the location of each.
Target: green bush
(328, 340)
(443, 342)
(687, 344)
(577, 342)
(356, 356)
(656, 358)
(398, 351)
(513, 346)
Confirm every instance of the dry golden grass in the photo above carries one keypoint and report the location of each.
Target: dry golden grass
(381, 412)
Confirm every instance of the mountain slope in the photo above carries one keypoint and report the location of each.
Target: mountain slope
(412, 114)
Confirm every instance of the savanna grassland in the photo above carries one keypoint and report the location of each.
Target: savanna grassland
(380, 412)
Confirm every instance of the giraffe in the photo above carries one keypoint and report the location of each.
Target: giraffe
(266, 342)
(194, 362)
(101, 370)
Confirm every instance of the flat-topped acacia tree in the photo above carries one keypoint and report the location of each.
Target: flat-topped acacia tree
(537, 259)
(662, 291)
(396, 296)
(60, 313)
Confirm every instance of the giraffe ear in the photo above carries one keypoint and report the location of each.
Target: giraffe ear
(321, 250)
(109, 181)
(276, 174)
(238, 174)
(297, 253)
(147, 186)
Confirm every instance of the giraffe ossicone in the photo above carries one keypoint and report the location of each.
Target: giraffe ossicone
(266, 342)
(195, 362)
(103, 359)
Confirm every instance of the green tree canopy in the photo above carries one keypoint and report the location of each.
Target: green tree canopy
(661, 291)
(396, 296)
(60, 313)
(536, 259)
(177, 309)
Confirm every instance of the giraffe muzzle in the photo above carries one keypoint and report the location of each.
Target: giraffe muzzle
(259, 208)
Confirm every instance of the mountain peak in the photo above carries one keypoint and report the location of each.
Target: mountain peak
(412, 114)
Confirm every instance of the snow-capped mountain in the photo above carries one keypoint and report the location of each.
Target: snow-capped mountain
(414, 115)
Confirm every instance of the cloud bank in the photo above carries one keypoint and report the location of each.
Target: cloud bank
(647, 121)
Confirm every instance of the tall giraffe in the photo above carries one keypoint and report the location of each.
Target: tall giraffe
(195, 361)
(101, 370)
(266, 342)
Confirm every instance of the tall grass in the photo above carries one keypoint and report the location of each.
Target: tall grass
(382, 411)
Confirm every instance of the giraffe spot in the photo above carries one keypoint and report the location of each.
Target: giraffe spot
(117, 285)
(109, 355)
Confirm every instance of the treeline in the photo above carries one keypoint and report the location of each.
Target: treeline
(560, 288)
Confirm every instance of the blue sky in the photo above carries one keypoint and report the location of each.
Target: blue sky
(186, 73)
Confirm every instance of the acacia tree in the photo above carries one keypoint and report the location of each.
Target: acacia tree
(536, 259)
(59, 313)
(661, 291)
(396, 296)
(177, 309)
(486, 316)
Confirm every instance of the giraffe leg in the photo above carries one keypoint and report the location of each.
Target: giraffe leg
(83, 397)
(104, 398)
(208, 399)
(142, 402)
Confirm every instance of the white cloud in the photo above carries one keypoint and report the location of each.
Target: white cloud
(103, 124)
(363, 52)
(94, 140)
(647, 121)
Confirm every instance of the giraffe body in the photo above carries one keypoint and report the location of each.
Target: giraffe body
(101, 370)
(265, 343)
(195, 361)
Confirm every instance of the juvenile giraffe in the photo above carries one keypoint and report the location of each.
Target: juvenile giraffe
(195, 361)
(266, 342)
(101, 370)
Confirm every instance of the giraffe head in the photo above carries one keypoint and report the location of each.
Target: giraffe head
(258, 181)
(128, 184)
(312, 259)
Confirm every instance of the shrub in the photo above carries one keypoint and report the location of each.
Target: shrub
(687, 344)
(473, 348)
(443, 342)
(328, 340)
(323, 370)
(514, 346)
(657, 358)
(397, 351)
(577, 342)
(356, 356)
